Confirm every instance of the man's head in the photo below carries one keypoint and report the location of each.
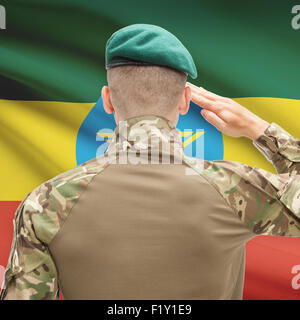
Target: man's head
(135, 90)
(147, 68)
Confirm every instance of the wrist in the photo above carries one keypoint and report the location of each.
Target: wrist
(257, 128)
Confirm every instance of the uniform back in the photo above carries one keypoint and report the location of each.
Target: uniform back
(150, 231)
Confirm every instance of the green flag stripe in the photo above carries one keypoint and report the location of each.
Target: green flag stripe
(54, 49)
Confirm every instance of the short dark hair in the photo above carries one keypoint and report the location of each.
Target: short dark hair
(137, 90)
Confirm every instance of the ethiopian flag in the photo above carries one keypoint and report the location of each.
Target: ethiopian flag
(52, 55)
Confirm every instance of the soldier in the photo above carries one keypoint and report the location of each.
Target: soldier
(122, 226)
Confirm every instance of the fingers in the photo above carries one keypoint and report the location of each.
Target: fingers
(205, 102)
(201, 91)
(212, 118)
(210, 101)
(207, 94)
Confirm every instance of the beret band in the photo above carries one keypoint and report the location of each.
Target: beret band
(146, 44)
(127, 62)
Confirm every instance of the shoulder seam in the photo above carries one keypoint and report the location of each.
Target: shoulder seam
(211, 184)
(234, 211)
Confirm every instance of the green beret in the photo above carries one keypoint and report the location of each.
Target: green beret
(146, 44)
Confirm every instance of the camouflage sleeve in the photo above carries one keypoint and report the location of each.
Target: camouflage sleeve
(280, 148)
(266, 203)
(30, 273)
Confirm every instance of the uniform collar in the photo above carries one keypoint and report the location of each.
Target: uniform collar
(146, 132)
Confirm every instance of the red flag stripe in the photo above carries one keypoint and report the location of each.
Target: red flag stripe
(269, 260)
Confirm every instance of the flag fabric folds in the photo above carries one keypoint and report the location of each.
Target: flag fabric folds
(51, 74)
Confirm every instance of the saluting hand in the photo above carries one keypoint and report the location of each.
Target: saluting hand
(227, 115)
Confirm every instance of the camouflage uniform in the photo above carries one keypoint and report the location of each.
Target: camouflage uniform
(262, 202)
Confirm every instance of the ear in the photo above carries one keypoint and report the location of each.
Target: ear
(185, 101)
(108, 107)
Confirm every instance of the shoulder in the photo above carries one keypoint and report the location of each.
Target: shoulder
(250, 191)
(242, 177)
(47, 207)
(217, 169)
(226, 174)
(222, 174)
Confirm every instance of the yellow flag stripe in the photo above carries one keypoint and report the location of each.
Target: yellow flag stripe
(285, 112)
(38, 139)
(37, 142)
